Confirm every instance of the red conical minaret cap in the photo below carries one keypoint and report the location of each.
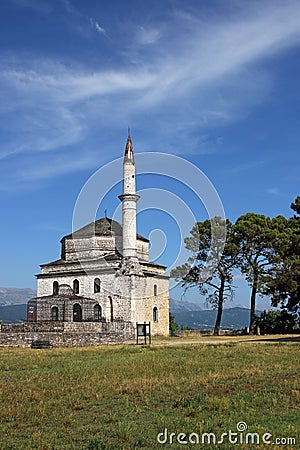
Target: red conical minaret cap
(129, 150)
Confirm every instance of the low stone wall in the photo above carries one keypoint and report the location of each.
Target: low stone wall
(51, 326)
(209, 332)
(65, 334)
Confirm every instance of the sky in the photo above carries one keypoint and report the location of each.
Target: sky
(212, 82)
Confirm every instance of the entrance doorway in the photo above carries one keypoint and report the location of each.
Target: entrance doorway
(77, 313)
(97, 313)
(54, 313)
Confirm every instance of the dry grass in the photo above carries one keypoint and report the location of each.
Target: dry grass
(122, 397)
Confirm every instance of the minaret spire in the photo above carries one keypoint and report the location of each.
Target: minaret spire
(129, 198)
(129, 149)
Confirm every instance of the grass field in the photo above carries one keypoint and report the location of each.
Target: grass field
(122, 397)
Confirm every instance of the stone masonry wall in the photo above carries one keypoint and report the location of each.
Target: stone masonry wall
(66, 334)
(63, 339)
(161, 302)
(148, 293)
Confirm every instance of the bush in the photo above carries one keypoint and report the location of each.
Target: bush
(277, 322)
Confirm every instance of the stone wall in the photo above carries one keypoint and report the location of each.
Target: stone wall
(187, 333)
(66, 334)
(87, 247)
(159, 301)
(86, 282)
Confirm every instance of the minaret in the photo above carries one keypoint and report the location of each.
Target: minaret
(129, 198)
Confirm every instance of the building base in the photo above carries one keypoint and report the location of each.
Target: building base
(66, 334)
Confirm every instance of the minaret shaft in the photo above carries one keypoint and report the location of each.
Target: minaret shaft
(129, 199)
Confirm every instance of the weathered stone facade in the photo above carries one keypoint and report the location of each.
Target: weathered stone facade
(64, 334)
(62, 307)
(104, 273)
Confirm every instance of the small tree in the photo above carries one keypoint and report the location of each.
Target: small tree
(210, 268)
(173, 327)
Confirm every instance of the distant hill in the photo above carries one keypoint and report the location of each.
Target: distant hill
(233, 318)
(177, 306)
(15, 296)
(13, 313)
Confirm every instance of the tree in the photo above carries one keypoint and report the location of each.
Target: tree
(296, 205)
(255, 235)
(172, 324)
(210, 268)
(283, 284)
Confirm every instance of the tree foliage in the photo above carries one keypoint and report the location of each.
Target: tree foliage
(173, 326)
(277, 322)
(213, 258)
(296, 205)
(266, 250)
(283, 284)
(256, 235)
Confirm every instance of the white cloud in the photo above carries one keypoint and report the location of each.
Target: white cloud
(96, 25)
(40, 6)
(199, 76)
(273, 191)
(60, 164)
(147, 36)
(199, 60)
(99, 28)
(43, 129)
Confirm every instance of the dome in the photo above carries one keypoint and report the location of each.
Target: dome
(101, 227)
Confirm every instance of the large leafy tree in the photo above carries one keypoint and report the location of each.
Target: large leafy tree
(255, 235)
(283, 284)
(214, 254)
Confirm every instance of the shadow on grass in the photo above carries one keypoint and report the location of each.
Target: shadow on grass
(276, 339)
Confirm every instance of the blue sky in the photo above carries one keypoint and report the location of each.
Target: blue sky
(214, 82)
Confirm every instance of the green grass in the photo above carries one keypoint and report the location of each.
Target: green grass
(122, 397)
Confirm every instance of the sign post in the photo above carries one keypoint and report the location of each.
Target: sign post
(143, 330)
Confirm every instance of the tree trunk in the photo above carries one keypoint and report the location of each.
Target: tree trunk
(253, 301)
(220, 306)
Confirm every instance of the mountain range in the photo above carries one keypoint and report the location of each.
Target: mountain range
(13, 313)
(232, 318)
(15, 296)
(178, 306)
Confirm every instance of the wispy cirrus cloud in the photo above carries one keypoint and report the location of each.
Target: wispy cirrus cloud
(40, 6)
(44, 6)
(96, 25)
(185, 73)
(274, 191)
(147, 35)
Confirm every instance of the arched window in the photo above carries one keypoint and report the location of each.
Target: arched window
(55, 287)
(155, 290)
(111, 309)
(97, 285)
(97, 313)
(76, 286)
(54, 313)
(155, 314)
